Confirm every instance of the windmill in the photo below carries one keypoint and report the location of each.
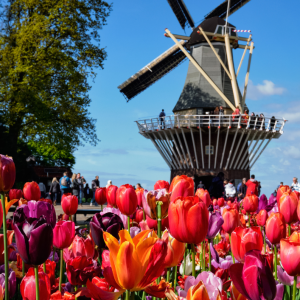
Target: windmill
(195, 141)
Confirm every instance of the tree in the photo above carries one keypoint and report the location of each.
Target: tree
(48, 50)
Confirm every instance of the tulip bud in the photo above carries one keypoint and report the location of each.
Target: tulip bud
(231, 219)
(111, 195)
(100, 195)
(31, 191)
(139, 193)
(69, 204)
(15, 194)
(250, 203)
(261, 217)
(162, 184)
(7, 173)
(181, 186)
(204, 196)
(275, 228)
(126, 199)
(215, 202)
(287, 205)
(221, 202)
(63, 234)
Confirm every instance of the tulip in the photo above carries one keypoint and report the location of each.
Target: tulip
(235, 294)
(83, 247)
(28, 286)
(116, 211)
(34, 238)
(214, 225)
(215, 202)
(221, 202)
(139, 193)
(63, 234)
(158, 290)
(108, 222)
(188, 268)
(281, 190)
(287, 204)
(139, 215)
(188, 220)
(7, 173)
(111, 195)
(250, 203)
(175, 250)
(284, 278)
(231, 219)
(50, 270)
(15, 194)
(80, 269)
(261, 218)
(69, 204)
(126, 199)
(204, 196)
(244, 240)
(275, 228)
(181, 186)
(150, 200)
(254, 278)
(152, 224)
(162, 184)
(142, 256)
(100, 196)
(12, 281)
(31, 191)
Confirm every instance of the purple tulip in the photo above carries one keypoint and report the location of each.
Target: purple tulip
(35, 209)
(12, 281)
(108, 222)
(34, 238)
(284, 278)
(214, 225)
(254, 278)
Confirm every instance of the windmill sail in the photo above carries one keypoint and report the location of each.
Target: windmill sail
(181, 12)
(155, 70)
(220, 11)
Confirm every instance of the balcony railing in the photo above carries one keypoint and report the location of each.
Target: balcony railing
(189, 121)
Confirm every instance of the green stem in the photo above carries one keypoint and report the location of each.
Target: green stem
(44, 267)
(168, 275)
(184, 260)
(23, 268)
(128, 221)
(294, 287)
(158, 219)
(175, 278)
(144, 295)
(37, 292)
(264, 234)
(233, 260)
(127, 294)
(275, 261)
(201, 256)
(144, 218)
(193, 261)
(70, 218)
(204, 263)
(289, 227)
(209, 256)
(61, 268)
(5, 245)
(75, 288)
(101, 206)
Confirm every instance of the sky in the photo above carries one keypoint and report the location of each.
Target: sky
(134, 36)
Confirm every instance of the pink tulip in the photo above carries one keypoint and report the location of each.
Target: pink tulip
(63, 234)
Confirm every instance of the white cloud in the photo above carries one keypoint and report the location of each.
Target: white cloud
(268, 88)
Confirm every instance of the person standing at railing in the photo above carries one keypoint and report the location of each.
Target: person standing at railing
(162, 118)
(236, 114)
(245, 119)
(295, 186)
(262, 121)
(252, 120)
(221, 113)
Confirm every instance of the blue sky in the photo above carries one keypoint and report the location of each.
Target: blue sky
(134, 36)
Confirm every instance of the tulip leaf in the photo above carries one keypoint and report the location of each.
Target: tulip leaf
(287, 293)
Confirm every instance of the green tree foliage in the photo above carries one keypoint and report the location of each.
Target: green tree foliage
(48, 50)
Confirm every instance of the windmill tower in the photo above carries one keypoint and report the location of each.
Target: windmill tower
(195, 141)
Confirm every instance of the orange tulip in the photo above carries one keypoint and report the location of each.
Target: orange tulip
(250, 203)
(204, 196)
(231, 219)
(281, 190)
(198, 292)
(136, 262)
(181, 186)
(158, 290)
(287, 205)
(175, 250)
(10, 234)
(235, 294)
(139, 193)
(275, 228)
(261, 217)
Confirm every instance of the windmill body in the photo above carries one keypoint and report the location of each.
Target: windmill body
(196, 141)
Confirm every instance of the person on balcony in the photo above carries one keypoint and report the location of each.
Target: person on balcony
(295, 186)
(252, 121)
(162, 119)
(245, 119)
(236, 114)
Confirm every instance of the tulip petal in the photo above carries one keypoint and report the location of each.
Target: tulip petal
(250, 276)
(109, 276)
(98, 294)
(235, 272)
(141, 236)
(125, 236)
(21, 245)
(9, 204)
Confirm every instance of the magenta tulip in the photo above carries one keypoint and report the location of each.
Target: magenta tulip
(63, 234)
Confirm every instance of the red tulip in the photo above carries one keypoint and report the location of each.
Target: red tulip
(204, 196)
(162, 184)
(181, 186)
(261, 217)
(221, 202)
(15, 194)
(188, 220)
(152, 224)
(250, 203)
(7, 173)
(275, 228)
(287, 205)
(244, 240)
(50, 270)
(100, 196)
(126, 199)
(27, 286)
(290, 254)
(139, 215)
(83, 247)
(111, 195)
(139, 193)
(231, 219)
(69, 204)
(31, 191)
(63, 234)
(215, 202)
(281, 190)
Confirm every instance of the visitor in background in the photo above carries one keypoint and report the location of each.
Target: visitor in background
(252, 121)
(280, 185)
(221, 110)
(272, 123)
(54, 190)
(201, 185)
(236, 114)
(80, 181)
(87, 193)
(258, 188)
(230, 190)
(262, 121)
(295, 185)
(73, 185)
(95, 186)
(65, 183)
(245, 119)
(42, 189)
(252, 185)
(216, 188)
(242, 190)
(138, 186)
(162, 118)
